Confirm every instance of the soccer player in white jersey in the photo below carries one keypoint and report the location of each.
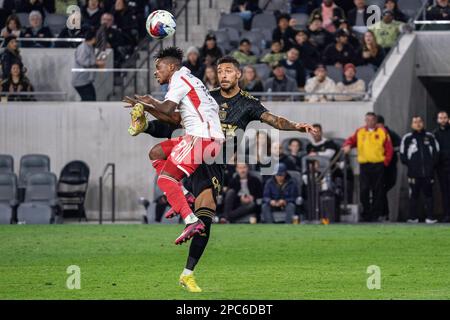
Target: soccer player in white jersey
(181, 156)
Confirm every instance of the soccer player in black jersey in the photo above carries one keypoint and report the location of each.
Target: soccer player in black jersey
(237, 109)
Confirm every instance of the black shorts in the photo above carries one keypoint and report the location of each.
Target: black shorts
(208, 176)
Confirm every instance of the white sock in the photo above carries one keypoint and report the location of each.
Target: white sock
(190, 219)
(187, 272)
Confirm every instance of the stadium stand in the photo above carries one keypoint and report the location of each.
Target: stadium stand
(8, 197)
(41, 202)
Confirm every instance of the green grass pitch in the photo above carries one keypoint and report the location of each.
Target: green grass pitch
(241, 262)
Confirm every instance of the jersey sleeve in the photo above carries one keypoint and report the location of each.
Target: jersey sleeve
(178, 89)
(256, 110)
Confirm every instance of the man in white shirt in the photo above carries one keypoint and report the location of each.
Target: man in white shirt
(173, 159)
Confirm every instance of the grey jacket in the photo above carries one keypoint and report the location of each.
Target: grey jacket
(84, 58)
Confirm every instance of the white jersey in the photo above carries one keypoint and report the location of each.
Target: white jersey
(199, 111)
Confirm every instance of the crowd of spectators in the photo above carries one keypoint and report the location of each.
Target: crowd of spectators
(336, 35)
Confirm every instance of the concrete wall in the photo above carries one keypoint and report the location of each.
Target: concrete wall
(51, 70)
(97, 134)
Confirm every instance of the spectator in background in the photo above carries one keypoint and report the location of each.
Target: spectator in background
(210, 79)
(280, 193)
(10, 56)
(12, 27)
(42, 6)
(36, 30)
(330, 14)
(295, 149)
(280, 156)
(259, 154)
(350, 84)
(341, 52)
(375, 152)
(439, 11)
(319, 85)
(358, 16)
(387, 30)
(246, 10)
(419, 151)
(17, 82)
(294, 66)
(243, 194)
(126, 20)
(283, 32)
(85, 58)
(390, 172)
(319, 37)
(280, 82)
(245, 55)
(210, 52)
(110, 37)
(392, 5)
(309, 55)
(442, 134)
(193, 62)
(275, 54)
(91, 14)
(371, 52)
(321, 146)
(353, 39)
(250, 80)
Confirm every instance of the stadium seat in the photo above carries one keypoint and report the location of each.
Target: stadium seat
(410, 7)
(40, 199)
(302, 19)
(55, 22)
(223, 40)
(233, 35)
(334, 73)
(365, 73)
(31, 164)
(264, 21)
(231, 21)
(297, 176)
(23, 18)
(6, 163)
(263, 70)
(267, 34)
(8, 196)
(277, 5)
(72, 187)
(379, 3)
(255, 37)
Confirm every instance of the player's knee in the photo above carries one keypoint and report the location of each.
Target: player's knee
(156, 153)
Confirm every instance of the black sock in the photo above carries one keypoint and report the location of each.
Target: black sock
(199, 241)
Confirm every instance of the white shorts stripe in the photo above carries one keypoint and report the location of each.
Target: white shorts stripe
(184, 170)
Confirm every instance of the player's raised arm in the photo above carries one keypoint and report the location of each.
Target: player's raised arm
(284, 124)
(174, 118)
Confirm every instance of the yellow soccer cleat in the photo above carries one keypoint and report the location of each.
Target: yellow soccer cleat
(188, 282)
(138, 120)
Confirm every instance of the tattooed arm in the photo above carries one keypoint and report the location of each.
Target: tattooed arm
(284, 124)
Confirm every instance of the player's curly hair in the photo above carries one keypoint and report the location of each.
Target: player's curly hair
(174, 53)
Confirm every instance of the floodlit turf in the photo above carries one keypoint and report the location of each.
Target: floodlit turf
(241, 262)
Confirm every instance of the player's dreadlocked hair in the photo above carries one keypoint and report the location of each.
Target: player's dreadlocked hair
(174, 53)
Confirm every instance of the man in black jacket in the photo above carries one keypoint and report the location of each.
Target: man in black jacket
(243, 196)
(442, 134)
(419, 151)
(359, 15)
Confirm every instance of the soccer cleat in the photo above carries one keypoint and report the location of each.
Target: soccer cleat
(325, 221)
(430, 221)
(171, 212)
(412, 221)
(188, 282)
(138, 121)
(190, 230)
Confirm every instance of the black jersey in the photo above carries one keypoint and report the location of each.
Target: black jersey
(238, 111)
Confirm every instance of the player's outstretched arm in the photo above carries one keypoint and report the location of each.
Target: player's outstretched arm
(166, 107)
(284, 124)
(173, 119)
